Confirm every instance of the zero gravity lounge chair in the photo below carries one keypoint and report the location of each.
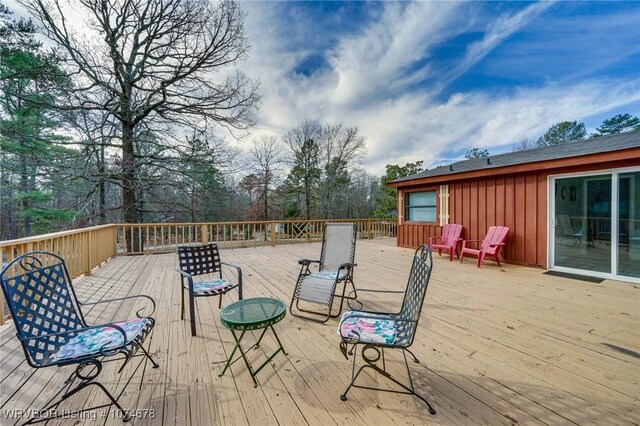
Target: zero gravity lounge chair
(314, 294)
(51, 327)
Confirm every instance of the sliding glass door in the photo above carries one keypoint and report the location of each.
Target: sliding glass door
(595, 224)
(629, 224)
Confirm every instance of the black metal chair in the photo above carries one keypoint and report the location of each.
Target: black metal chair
(335, 267)
(53, 332)
(377, 331)
(198, 261)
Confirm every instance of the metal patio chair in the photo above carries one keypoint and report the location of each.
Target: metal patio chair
(203, 261)
(375, 331)
(52, 329)
(335, 267)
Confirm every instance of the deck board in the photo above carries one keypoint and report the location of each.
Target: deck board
(497, 346)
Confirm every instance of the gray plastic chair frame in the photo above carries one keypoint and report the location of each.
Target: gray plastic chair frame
(335, 268)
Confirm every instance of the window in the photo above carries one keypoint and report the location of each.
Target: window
(421, 206)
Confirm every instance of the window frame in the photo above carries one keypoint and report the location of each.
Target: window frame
(406, 207)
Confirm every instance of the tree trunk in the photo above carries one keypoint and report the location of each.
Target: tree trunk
(129, 197)
(24, 188)
(102, 190)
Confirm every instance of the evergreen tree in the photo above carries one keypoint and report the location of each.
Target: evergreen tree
(563, 132)
(618, 124)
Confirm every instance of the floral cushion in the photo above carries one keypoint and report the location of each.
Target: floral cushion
(367, 330)
(90, 342)
(329, 275)
(215, 286)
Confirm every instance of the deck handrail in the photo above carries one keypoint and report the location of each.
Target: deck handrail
(88, 248)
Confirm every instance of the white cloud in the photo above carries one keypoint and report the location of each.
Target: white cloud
(370, 81)
(497, 31)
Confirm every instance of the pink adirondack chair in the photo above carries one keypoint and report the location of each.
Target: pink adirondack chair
(491, 245)
(448, 241)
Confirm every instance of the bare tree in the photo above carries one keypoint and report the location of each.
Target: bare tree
(524, 144)
(267, 156)
(153, 66)
(341, 148)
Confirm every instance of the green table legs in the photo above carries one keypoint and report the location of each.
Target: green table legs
(238, 347)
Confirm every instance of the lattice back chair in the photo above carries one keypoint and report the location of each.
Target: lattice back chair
(375, 331)
(52, 329)
(204, 261)
(335, 267)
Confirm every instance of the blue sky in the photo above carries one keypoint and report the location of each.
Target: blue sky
(429, 80)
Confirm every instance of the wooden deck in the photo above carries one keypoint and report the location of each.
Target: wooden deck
(497, 346)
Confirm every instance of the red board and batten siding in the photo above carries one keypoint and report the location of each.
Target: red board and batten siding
(517, 200)
(512, 201)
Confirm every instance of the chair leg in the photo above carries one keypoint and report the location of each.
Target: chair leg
(182, 304)
(370, 364)
(148, 355)
(451, 255)
(192, 314)
(68, 390)
(480, 259)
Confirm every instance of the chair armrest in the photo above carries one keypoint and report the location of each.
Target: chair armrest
(351, 298)
(184, 274)
(432, 239)
(143, 296)
(464, 242)
(496, 245)
(307, 262)
(238, 273)
(347, 265)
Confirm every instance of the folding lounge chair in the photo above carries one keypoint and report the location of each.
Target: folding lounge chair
(335, 268)
(566, 232)
(51, 327)
(448, 241)
(491, 245)
(374, 331)
(198, 261)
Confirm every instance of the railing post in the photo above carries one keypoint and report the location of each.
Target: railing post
(369, 236)
(90, 256)
(273, 234)
(204, 230)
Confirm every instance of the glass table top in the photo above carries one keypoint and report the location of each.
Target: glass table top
(254, 312)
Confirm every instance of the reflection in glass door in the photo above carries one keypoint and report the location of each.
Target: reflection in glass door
(629, 224)
(582, 233)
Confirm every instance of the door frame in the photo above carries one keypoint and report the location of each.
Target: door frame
(615, 247)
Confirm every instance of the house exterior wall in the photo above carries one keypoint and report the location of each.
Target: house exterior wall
(517, 200)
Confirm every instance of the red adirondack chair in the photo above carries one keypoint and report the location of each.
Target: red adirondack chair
(448, 241)
(491, 245)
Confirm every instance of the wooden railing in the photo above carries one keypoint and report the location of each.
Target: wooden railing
(150, 238)
(86, 249)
